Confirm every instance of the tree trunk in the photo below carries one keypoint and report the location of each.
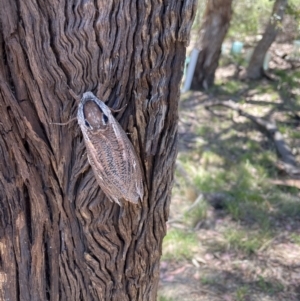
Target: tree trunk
(215, 24)
(255, 69)
(60, 237)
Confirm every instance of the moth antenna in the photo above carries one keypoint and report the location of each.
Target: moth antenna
(74, 95)
(64, 123)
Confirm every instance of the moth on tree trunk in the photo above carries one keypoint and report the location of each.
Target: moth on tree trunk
(60, 237)
(110, 153)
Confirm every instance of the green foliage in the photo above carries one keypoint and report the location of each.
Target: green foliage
(293, 9)
(258, 15)
(253, 21)
(250, 16)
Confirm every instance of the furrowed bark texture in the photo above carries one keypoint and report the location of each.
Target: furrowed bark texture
(60, 237)
(215, 24)
(255, 68)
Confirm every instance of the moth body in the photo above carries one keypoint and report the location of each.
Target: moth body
(110, 152)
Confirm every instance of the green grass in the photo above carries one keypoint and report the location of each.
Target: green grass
(289, 206)
(249, 212)
(208, 280)
(294, 134)
(246, 241)
(163, 298)
(241, 293)
(203, 130)
(251, 198)
(237, 161)
(208, 181)
(231, 157)
(269, 287)
(290, 79)
(243, 180)
(229, 87)
(179, 244)
(245, 184)
(267, 88)
(197, 214)
(283, 128)
(295, 238)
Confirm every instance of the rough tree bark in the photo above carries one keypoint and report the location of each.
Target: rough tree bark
(255, 68)
(215, 24)
(60, 237)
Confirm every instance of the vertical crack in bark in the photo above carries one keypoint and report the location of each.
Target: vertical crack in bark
(17, 280)
(47, 264)
(4, 71)
(28, 211)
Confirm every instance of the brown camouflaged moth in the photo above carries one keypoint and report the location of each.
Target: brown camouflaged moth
(110, 152)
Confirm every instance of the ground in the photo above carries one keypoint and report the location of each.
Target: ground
(234, 225)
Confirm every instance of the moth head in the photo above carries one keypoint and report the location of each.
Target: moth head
(94, 117)
(93, 114)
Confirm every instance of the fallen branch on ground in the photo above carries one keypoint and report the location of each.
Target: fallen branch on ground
(286, 182)
(287, 158)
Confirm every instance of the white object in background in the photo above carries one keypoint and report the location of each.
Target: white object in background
(190, 70)
(296, 50)
(267, 58)
(248, 55)
(267, 61)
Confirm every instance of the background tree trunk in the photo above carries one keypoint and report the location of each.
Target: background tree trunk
(215, 24)
(255, 68)
(60, 237)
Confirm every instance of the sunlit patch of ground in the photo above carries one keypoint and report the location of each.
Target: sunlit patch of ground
(234, 226)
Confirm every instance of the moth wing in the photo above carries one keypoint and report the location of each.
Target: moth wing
(131, 172)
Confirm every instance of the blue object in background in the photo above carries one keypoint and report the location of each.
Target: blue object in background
(297, 45)
(237, 47)
(190, 70)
